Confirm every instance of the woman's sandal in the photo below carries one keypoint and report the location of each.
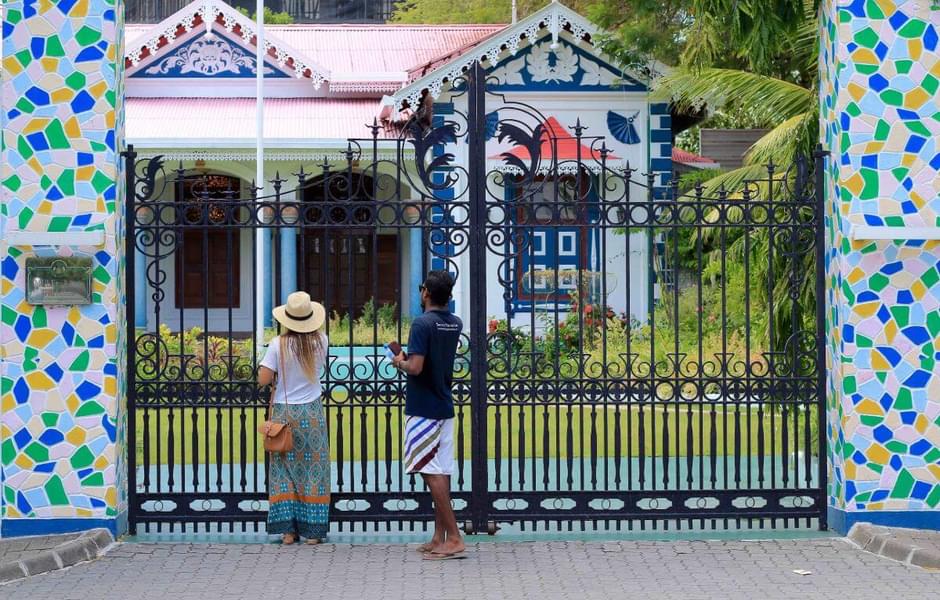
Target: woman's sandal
(288, 538)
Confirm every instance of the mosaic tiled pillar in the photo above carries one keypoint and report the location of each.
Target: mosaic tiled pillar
(880, 117)
(61, 420)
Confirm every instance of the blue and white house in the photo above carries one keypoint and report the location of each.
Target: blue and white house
(190, 96)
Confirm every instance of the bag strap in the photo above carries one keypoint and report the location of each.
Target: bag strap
(281, 377)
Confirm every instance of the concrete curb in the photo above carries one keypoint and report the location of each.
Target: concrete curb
(88, 546)
(897, 544)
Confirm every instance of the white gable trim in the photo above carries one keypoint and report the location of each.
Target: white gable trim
(556, 18)
(212, 13)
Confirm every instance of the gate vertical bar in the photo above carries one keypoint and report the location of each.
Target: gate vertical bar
(476, 99)
(130, 308)
(819, 196)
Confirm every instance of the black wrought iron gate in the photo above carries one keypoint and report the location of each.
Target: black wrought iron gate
(636, 354)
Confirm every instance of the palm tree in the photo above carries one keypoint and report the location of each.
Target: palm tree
(789, 108)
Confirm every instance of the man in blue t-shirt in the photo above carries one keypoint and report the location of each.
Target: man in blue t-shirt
(429, 408)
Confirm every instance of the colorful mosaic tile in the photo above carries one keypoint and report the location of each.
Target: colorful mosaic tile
(61, 449)
(880, 68)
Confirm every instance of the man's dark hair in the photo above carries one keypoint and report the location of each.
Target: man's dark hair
(439, 285)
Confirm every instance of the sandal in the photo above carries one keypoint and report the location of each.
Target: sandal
(444, 555)
(426, 548)
(288, 538)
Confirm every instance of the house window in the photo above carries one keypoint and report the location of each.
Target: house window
(208, 272)
(553, 218)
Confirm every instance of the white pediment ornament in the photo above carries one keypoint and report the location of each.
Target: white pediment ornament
(549, 62)
(207, 56)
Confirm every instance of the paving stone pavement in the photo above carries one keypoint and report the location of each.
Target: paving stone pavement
(17, 549)
(538, 570)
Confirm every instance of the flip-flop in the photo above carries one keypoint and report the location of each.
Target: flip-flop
(444, 555)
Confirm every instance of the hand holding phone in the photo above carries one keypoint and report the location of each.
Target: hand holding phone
(393, 350)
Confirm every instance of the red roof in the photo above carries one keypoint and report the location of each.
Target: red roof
(349, 49)
(233, 119)
(688, 158)
(557, 137)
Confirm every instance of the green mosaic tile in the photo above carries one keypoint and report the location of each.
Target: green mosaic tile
(8, 315)
(903, 66)
(7, 452)
(876, 468)
(66, 182)
(54, 47)
(871, 420)
(45, 183)
(882, 130)
(867, 37)
(918, 128)
(50, 419)
(55, 491)
(10, 494)
(95, 479)
(101, 182)
(878, 282)
(75, 81)
(30, 357)
(892, 98)
(929, 278)
(23, 147)
(853, 109)
(24, 57)
(863, 342)
(848, 384)
(26, 214)
(873, 10)
(86, 36)
(13, 183)
(55, 133)
(894, 221)
(901, 314)
(930, 84)
(89, 409)
(40, 318)
(83, 457)
(933, 500)
(897, 447)
(932, 456)
(38, 452)
(903, 486)
(904, 400)
(59, 223)
(25, 106)
(101, 274)
(914, 28)
(870, 187)
(6, 384)
(881, 376)
(81, 362)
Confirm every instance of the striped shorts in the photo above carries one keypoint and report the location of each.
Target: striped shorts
(429, 446)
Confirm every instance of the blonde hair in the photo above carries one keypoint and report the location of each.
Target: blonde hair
(308, 348)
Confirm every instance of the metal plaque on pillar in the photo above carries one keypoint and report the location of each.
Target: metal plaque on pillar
(58, 280)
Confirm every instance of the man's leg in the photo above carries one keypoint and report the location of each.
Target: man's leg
(444, 514)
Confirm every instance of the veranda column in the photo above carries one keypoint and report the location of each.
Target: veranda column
(61, 415)
(879, 79)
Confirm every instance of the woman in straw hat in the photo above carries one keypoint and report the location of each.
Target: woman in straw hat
(299, 481)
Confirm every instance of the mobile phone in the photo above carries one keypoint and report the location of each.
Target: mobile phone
(392, 349)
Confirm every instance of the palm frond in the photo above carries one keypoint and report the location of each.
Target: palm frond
(772, 100)
(783, 144)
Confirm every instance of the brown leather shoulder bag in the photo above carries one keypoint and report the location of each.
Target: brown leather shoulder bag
(278, 437)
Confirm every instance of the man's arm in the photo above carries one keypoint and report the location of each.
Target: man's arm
(413, 365)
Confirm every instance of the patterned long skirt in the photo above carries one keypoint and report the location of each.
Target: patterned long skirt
(299, 481)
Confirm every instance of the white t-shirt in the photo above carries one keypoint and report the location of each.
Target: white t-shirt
(299, 389)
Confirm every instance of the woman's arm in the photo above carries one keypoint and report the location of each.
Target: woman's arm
(265, 376)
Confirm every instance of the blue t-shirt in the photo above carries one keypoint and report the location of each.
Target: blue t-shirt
(434, 335)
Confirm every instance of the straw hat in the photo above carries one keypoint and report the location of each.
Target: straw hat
(300, 314)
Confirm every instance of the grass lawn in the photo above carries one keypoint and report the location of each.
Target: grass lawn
(375, 432)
